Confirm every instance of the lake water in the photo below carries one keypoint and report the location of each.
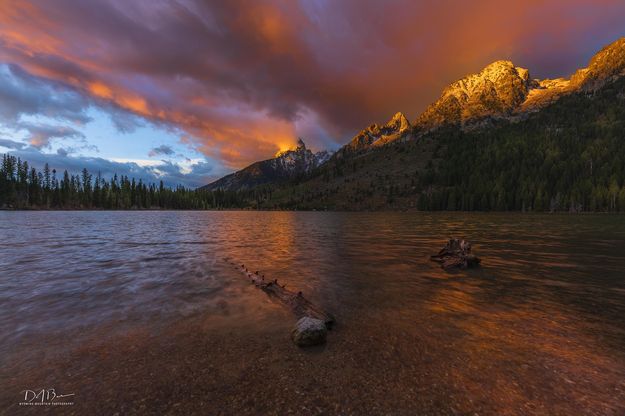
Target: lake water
(141, 312)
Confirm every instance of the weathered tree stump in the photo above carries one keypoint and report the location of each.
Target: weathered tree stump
(456, 255)
(299, 305)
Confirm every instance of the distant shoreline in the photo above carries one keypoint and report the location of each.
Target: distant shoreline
(316, 210)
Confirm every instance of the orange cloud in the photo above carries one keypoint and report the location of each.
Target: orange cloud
(100, 90)
(237, 77)
(135, 104)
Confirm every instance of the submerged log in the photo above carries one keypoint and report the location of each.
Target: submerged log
(456, 254)
(299, 305)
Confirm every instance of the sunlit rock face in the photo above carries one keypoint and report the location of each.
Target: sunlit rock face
(375, 135)
(298, 160)
(503, 90)
(606, 66)
(497, 91)
(287, 164)
(547, 92)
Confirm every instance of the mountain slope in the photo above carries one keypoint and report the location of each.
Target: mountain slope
(497, 139)
(286, 165)
(503, 90)
(496, 91)
(569, 156)
(500, 91)
(606, 66)
(374, 135)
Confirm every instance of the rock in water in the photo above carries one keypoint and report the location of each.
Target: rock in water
(309, 331)
(456, 254)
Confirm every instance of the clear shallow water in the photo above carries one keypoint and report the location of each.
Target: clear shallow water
(539, 328)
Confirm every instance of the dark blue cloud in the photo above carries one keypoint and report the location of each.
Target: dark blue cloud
(11, 144)
(24, 94)
(41, 135)
(161, 150)
(172, 174)
(124, 121)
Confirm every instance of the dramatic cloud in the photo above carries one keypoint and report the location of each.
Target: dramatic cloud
(23, 94)
(242, 79)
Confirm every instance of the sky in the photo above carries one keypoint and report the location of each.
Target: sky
(187, 91)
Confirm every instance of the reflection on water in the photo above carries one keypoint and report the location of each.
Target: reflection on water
(538, 329)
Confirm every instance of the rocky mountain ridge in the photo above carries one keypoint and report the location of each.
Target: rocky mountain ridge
(497, 90)
(375, 135)
(505, 91)
(287, 164)
(500, 91)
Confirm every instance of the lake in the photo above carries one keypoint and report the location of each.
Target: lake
(141, 312)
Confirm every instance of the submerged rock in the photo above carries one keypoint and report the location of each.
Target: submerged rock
(309, 331)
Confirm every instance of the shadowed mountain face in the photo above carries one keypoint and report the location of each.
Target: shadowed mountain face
(500, 92)
(286, 165)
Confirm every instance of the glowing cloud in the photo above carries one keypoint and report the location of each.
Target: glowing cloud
(241, 79)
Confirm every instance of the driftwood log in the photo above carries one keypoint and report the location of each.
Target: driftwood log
(299, 305)
(456, 255)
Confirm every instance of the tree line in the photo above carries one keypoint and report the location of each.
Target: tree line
(568, 157)
(24, 187)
